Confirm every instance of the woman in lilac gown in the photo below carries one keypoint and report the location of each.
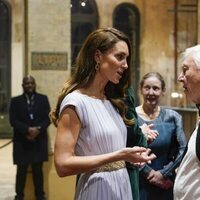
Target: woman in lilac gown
(91, 123)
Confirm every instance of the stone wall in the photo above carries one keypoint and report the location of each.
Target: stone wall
(43, 27)
(47, 29)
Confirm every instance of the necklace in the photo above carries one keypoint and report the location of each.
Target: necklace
(150, 115)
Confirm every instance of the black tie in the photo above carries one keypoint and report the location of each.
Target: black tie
(198, 137)
(198, 142)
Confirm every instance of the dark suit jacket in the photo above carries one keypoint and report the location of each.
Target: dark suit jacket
(24, 150)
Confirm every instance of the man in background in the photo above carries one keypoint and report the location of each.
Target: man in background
(187, 180)
(29, 119)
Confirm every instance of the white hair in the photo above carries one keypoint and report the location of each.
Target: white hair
(195, 53)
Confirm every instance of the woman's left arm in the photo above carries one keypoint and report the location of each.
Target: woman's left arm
(135, 136)
(181, 144)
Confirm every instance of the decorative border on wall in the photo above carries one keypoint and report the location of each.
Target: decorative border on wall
(49, 61)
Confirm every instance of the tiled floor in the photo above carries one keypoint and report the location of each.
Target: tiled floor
(56, 188)
(7, 171)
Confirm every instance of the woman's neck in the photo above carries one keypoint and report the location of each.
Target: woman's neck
(95, 89)
(150, 112)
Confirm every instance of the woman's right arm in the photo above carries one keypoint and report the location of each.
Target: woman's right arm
(67, 163)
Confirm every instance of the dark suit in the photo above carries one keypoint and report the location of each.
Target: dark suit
(22, 116)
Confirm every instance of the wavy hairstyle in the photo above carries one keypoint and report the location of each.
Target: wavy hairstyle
(101, 39)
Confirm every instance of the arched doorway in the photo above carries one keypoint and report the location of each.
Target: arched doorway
(84, 19)
(5, 66)
(127, 19)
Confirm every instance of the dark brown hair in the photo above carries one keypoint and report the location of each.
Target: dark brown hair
(101, 39)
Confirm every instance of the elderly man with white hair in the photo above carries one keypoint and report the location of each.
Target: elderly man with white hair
(187, 181)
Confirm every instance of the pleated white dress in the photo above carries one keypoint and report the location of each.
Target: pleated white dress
(103, 131)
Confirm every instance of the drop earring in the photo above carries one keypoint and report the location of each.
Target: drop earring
(97, 67)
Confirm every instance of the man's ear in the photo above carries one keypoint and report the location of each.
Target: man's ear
(97, 56)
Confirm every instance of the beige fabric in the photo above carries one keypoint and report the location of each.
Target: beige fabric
(187, 181)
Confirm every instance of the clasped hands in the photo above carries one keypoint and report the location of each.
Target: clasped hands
(157, 179)
(33, 132)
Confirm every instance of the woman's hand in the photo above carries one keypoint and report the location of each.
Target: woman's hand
(138, 155)
(149, 133)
